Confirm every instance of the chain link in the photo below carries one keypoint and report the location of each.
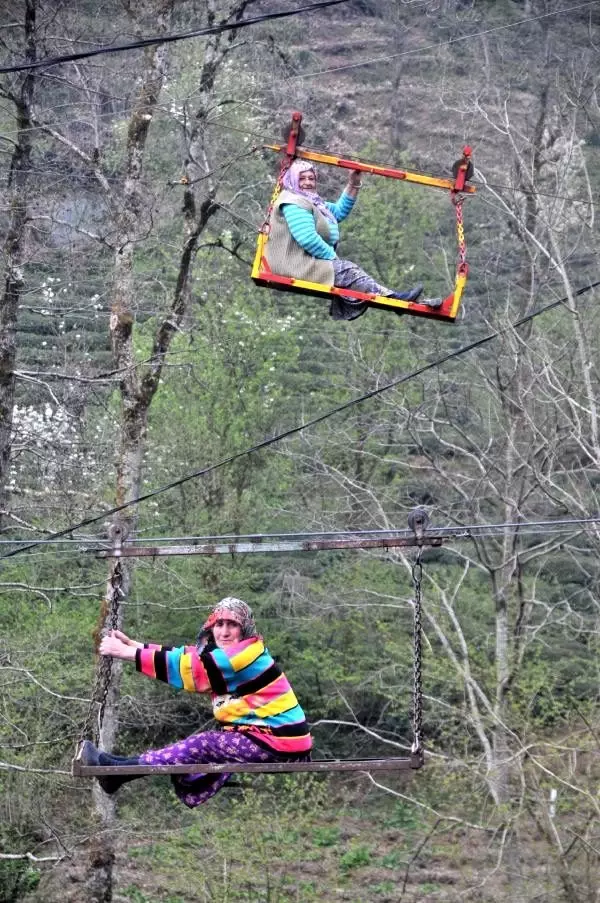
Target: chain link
(417, 576)
(95, 713)
(462, 268)
(285, 165)
(105, 665)
(460, 231)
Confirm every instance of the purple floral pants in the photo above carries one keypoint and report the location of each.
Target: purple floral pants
(208, 746)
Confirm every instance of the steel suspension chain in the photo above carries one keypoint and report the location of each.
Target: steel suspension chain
(104, 672)
(417, 576)
(100, 690)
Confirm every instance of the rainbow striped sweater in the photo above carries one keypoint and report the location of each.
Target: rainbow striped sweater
(249, 691)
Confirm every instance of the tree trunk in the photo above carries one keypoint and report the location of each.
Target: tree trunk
(138, 386)
(14, 254)
(130, 223)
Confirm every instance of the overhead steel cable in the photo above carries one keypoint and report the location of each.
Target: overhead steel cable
(537, 527)
(465, 531)
(265, 443)
(440, 44)
(167, 39)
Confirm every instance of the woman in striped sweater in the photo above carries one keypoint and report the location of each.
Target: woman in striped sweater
(258, 713)
(304, 237)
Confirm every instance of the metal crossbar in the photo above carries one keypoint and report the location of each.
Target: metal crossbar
(260, 545)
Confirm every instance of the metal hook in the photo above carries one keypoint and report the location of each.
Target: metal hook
(418, 521)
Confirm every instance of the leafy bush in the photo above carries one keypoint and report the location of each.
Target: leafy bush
(356, 857)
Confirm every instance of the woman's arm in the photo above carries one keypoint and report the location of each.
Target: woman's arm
(354, 183)
(346, 200)
(118, 645)
(181, 667)
(125, 639)
(301, 224)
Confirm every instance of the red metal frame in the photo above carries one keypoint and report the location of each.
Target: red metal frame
(457, 187)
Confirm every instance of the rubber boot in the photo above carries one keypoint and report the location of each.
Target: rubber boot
(90, 755)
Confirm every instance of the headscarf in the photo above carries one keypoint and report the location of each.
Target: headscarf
(291, 182)
(237, 611)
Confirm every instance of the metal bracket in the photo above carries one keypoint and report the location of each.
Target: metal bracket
(462, 170)
(117, 533)
(294, 134)
(418, 521)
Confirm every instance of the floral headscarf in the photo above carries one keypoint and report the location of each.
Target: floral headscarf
(291, 182)
(237, 611)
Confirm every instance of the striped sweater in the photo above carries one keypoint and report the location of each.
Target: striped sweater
(301, 224)
(249, 691)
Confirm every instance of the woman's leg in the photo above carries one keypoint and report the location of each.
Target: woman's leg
(349, 275)
(208, 746)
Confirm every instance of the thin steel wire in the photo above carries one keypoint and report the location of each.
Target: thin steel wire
(467, 531)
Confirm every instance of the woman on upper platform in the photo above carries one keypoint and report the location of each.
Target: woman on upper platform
(304, 237)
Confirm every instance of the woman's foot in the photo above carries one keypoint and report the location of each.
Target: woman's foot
(411, 295)
(91, 755)
(88, 754)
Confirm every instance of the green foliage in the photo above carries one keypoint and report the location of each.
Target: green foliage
(17, 878)
(227, 394)
(404, 817)
(358, 856)
(326, 836)
(277, 817)
(384, 888)
(134, 894)
(393, 860)
(396, 230)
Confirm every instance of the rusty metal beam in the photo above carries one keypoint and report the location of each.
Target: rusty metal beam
(259, 545)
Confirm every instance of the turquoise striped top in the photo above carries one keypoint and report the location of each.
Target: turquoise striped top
(301, 224)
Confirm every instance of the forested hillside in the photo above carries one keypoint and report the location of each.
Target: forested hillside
(143, 376)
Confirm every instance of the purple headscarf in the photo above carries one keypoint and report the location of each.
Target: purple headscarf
(290, 181)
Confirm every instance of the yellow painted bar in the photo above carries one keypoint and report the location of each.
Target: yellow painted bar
(318, 289)
(388, 172)
(260, 244)
(461, 281)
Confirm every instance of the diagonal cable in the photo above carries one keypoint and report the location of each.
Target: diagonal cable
(166, 39)
(478, 343)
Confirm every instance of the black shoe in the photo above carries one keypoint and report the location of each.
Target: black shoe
(411, 295)
(88, 754)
